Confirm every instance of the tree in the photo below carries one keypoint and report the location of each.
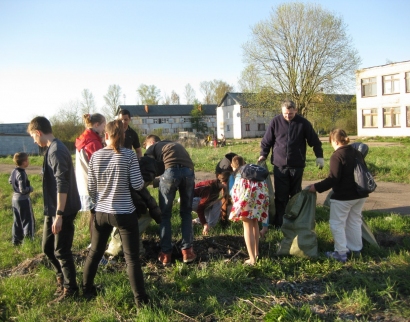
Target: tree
(88, 102)
(214, 91)
(67, 123)
(174, 98)
(189, 94)
(303, 50)
(197, 115)
(166, 99)
(112, 102)
(149, 94)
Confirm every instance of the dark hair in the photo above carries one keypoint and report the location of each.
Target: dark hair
(153, 137)
(288, 104)
(115, 130)
(91, 119)
(40, 123)
(224, 176)
(340, 136)
(19, 158)
(124, 112)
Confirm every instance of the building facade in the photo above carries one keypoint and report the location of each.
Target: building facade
(14, 138)
(169, 119)
(236, 121)
(383, 100)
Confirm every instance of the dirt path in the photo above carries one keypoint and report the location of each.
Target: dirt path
(388, 197)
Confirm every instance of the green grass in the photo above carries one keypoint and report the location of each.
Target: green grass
(276, 289)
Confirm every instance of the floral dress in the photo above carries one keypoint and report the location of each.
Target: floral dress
(250, 200)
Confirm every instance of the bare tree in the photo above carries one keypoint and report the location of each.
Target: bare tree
(88, 102)
(174, 98)
(166, 100)
(149, 94)
(303, 50)
(112, 102)
(206, 89)
(189, 94)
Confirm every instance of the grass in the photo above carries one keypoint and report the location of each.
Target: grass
(276, 289)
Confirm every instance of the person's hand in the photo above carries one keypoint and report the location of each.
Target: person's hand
(263, 232)
(311, 188)
(205, 230)
(320, 162)
(261, 158)
(57, 224)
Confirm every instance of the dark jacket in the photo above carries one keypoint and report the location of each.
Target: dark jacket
(171, 153)
(20, 183)
(341, 175)
(59, 176)
(288, 142)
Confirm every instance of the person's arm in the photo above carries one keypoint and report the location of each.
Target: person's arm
(138, 151)
(268, 141)
(22, 183)
(136, 180)
(333, 178)
(58, 220)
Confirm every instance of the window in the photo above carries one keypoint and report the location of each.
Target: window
(164, 120)
(187, 129)
(144, 121)
(175, 130)
(391, 117)
(369, 117)
(144, 131)
(187, 119)
(228, 128)
(369, 87)
(156, 121)
(247, 127)
(227, 115)
(165, 131)
(408, 82)
(261, 126)
(391, 84)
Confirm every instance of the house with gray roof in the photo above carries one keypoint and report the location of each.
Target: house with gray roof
(169, 119)
(14, 138)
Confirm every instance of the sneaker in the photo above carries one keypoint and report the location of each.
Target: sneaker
(89, 293)
(66, 295)
(165, 258)
(188, 255)
(103, 261)
(337, 256)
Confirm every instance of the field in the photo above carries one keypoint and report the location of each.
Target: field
(217, 287)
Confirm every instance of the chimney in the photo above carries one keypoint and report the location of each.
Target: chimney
(146, 109)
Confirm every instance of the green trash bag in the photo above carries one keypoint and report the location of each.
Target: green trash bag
(272, 209)
(299, 226)
(367, 234)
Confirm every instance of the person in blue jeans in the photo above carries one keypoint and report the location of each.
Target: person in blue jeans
(179, 176)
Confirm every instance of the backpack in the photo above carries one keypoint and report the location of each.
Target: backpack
(365, 183)
(253, 172)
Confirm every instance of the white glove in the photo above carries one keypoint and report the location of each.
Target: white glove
(320, 162)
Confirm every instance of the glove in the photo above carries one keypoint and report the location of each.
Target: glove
(320, 162)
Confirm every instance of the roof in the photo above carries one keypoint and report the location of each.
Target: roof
(239, 98)
(396, 63)
(167, 110)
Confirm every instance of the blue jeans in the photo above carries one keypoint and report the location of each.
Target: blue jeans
(288, 182)
(183, 180)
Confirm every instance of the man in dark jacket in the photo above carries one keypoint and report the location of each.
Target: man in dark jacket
(61, 204)
(287, 135)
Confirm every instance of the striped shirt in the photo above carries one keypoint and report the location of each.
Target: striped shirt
(110, 176)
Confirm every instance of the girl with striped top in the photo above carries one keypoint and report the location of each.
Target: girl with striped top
(113, 171)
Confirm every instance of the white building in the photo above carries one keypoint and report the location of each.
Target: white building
(14, 138)
(236, 121)
(383, 100)
(171, 119)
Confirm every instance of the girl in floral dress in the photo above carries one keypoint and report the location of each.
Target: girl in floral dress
(251, 205)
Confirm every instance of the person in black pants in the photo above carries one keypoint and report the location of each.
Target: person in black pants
(113, 171)
(61, 204)
(287, 136)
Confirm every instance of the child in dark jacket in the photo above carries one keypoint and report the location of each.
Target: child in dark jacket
(23, 225)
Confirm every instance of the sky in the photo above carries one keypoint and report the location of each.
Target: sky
(51, 50)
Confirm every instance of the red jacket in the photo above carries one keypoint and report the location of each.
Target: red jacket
(90, 141)
(204, 191)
